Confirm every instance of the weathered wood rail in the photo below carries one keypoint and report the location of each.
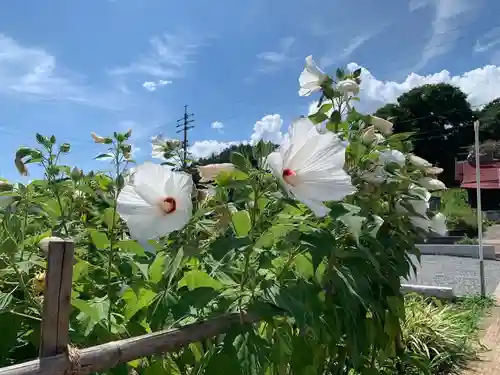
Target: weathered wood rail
(57, 357)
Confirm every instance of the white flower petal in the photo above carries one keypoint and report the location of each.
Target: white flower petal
(317, 207)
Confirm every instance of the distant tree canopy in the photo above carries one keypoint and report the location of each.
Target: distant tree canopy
(442, 120)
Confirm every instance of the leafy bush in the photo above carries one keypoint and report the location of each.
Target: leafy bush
(460, 215)
(310, 240)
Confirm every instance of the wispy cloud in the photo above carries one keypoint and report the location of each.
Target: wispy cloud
(33, 73)
(447, 25)
(168, 58)
(488, 40)
(332, 57)
(270, 62)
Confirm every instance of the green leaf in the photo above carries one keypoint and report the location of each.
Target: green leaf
(318, 117)
(99, 239)
(8, 246)
(198, 279)
(157, 268)
(340, 74)
(5, 300)
(104, 156)
(137, 300)
(326, 107)
(336, 117)
(356, 73)
(131, 246)
(108, 217)
(241, 223)
(353, 224)
(80, 269)
(239, 160)
(44, 141)
(174, 266)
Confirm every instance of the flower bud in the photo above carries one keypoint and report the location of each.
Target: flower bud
(431, 184)
(348, 86)
(369, 136)
(44, 243)
(21, 168)
(97, 138)
(382, 125)
(39, 282)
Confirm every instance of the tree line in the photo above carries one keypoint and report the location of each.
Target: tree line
(441, 121)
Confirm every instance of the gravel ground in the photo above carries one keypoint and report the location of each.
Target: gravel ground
(461, 274)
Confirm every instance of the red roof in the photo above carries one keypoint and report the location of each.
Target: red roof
(489, 175)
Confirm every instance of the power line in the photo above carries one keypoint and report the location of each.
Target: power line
(183, 124)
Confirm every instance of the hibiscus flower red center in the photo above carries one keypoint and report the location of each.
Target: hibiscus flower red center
(289, 176)
(168, 205)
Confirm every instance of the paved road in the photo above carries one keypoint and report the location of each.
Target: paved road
(462, 274)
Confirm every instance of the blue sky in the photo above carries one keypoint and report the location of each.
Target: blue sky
(71, 67)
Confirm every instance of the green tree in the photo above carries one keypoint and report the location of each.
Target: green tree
(489, 117)
(441, 119)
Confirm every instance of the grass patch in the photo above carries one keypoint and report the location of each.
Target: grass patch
(439, 337)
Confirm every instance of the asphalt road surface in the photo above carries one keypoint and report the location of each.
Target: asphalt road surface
(461, 274)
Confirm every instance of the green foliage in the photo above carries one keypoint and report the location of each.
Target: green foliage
(442, 338)
(459, 214)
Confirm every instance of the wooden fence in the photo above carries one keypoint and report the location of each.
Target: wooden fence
(58, 357)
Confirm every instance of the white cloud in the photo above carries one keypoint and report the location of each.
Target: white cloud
(268, 129)
(152, 86)
(449, 18)
(217, 125)
(168, 58)
(204, 149)
(481, 86)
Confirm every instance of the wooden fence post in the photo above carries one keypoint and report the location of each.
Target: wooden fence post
(57, 299)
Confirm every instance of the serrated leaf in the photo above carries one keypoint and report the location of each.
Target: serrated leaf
(99, 239)
(198, 279)
(8, 246)
(238, 160)
(131, 246)
(241, 223)
(136, 301)
(353, 224)
(157, 268)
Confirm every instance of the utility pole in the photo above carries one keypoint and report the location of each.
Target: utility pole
(183, 124)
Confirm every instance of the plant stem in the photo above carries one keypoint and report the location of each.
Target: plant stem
(111, 234)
